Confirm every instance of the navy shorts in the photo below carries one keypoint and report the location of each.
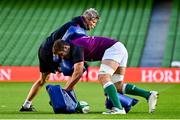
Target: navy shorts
(46, 63)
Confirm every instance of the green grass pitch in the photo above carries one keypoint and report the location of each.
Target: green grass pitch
(12, 96)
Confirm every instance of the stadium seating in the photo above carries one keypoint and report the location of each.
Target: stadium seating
(176, 53)
(172, 48)
(141, 35)
(25, 24)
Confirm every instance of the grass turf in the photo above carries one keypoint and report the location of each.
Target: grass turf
(12, 96)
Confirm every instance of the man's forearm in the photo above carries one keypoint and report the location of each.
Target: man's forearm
(72, 82)
(78, 71)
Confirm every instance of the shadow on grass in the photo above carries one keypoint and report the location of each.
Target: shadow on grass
(49, 112)
(16, 112)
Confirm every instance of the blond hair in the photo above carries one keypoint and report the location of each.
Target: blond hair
(91, 13)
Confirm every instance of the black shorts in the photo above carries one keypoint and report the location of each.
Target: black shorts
(46, 63)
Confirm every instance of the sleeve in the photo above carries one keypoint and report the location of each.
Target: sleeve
(77, 54)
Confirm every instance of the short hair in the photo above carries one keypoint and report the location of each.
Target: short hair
(58, 46)
(91, 13)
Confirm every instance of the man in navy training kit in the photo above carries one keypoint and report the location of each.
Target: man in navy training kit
(113, 56)
(87, 22)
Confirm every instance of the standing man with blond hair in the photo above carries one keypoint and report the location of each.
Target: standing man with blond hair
(47, 65)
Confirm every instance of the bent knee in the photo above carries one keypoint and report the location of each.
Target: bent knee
(104, 78)
(119, 87)
(105, 69)
(41, 82)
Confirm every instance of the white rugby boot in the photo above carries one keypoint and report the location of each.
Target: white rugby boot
(152, 101)
(115, 110)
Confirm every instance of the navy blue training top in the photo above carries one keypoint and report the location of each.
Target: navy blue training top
(58, 34)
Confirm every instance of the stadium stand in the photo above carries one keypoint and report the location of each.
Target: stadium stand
(25, 24)
(172, 48)
(176, 53)
(141, 35)
(157, 34)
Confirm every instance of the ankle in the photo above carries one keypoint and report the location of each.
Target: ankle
(27, 104)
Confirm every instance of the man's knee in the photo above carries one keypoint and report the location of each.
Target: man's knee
(106, 69)
(41, 82)
(119, 86)
(105, 73)
(104, 78)
(44, 78)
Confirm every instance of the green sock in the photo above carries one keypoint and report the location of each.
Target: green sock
(112, 94)
(79, 108)
(133, 90)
